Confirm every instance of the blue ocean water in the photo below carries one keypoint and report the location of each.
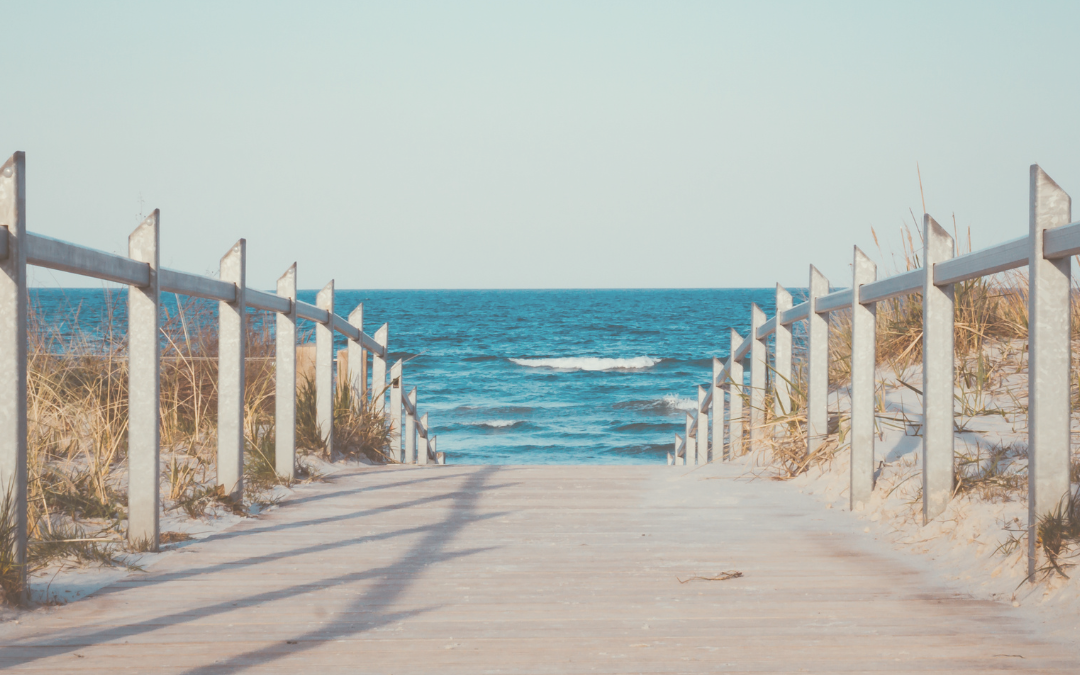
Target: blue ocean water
(527, 376)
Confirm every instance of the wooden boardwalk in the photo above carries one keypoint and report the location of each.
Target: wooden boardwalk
(452, 569)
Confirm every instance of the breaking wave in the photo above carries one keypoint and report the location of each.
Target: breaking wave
(591, 363)
(667, 405)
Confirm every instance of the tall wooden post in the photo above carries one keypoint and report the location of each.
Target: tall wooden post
(702, 428)
(782, 358)
(817, 365)
(938, 374)
(232, 322)
(863, 367)
(396, 418)
(285, 379)
(144, 378)
(324, 369)
(717, 411)
(1049, 324)
(378, 369)
(13, 299)
(735, 401)
(357, 358)
(758, 372)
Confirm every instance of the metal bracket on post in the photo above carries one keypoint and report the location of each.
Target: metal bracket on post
(232, 320)
(144, 378)
(378, 370)
(717, 411)
(1049, 348)
(13, 300)
(817, 366)
(324, 369)
(735, 387)
(782, 359)
(357, 358)
(863, 367)
(758, 371)
(938, 374)
(396, 429)
(285, 380)
(702, 428)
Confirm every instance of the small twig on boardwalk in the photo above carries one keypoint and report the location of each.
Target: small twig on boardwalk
(723, 576)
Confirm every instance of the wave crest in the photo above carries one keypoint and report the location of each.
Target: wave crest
(592, 363)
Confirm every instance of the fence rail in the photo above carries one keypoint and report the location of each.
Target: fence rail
(1047, 249)
(146, 280)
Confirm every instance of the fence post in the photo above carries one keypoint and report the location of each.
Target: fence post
(422, 448)
(759, 357)
(144, 378)
(691, 445)
(285, 379)
(440, 457)
(735, 387)
(863, 367)
(378, 370)
(938, 375)
(717, 411)
(781, 359)
(702, 428)
(395, 411)
(232, 322)
(410, 430)
(324, 368)
(357, 359)
(1049, 347)
(13, 299)
(817, 365)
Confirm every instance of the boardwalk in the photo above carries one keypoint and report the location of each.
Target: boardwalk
(450, 569)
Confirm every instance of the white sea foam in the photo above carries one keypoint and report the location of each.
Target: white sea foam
(589, 363)
(676, 402)
(496, 424)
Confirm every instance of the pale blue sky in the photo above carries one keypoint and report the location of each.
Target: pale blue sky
(507, 145)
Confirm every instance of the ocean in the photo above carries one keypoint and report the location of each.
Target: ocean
(525, 376)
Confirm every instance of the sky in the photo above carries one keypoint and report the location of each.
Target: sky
(535, 145)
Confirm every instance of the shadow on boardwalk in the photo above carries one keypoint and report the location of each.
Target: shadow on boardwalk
(394, 579)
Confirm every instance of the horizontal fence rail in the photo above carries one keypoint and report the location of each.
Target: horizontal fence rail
(1052, 238)
(146, 280)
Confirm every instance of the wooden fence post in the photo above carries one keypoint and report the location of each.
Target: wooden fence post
(13, 300)
(378, 370)
(817, 366)
(440, 457)
(144, 378)
(735, 388)
(759, 356)
(357, 359)
(422, 448)
(938, 374)
(285, 380)
(863, 368)
(691, 444)
(324, 369)
(1049, 346)
(232, 322)
(781, 377)
(702, 428)
(717, 411)
(396, 430)
(410, 429)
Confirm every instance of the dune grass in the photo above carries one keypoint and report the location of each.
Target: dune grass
(991, 352)
(77, 432)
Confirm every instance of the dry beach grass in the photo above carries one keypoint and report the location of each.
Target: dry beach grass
(77, 434)
(989, 503)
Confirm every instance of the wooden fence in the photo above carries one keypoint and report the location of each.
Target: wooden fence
(1046, 251)
(145, 280)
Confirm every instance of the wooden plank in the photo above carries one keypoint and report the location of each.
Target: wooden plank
(466, 569)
